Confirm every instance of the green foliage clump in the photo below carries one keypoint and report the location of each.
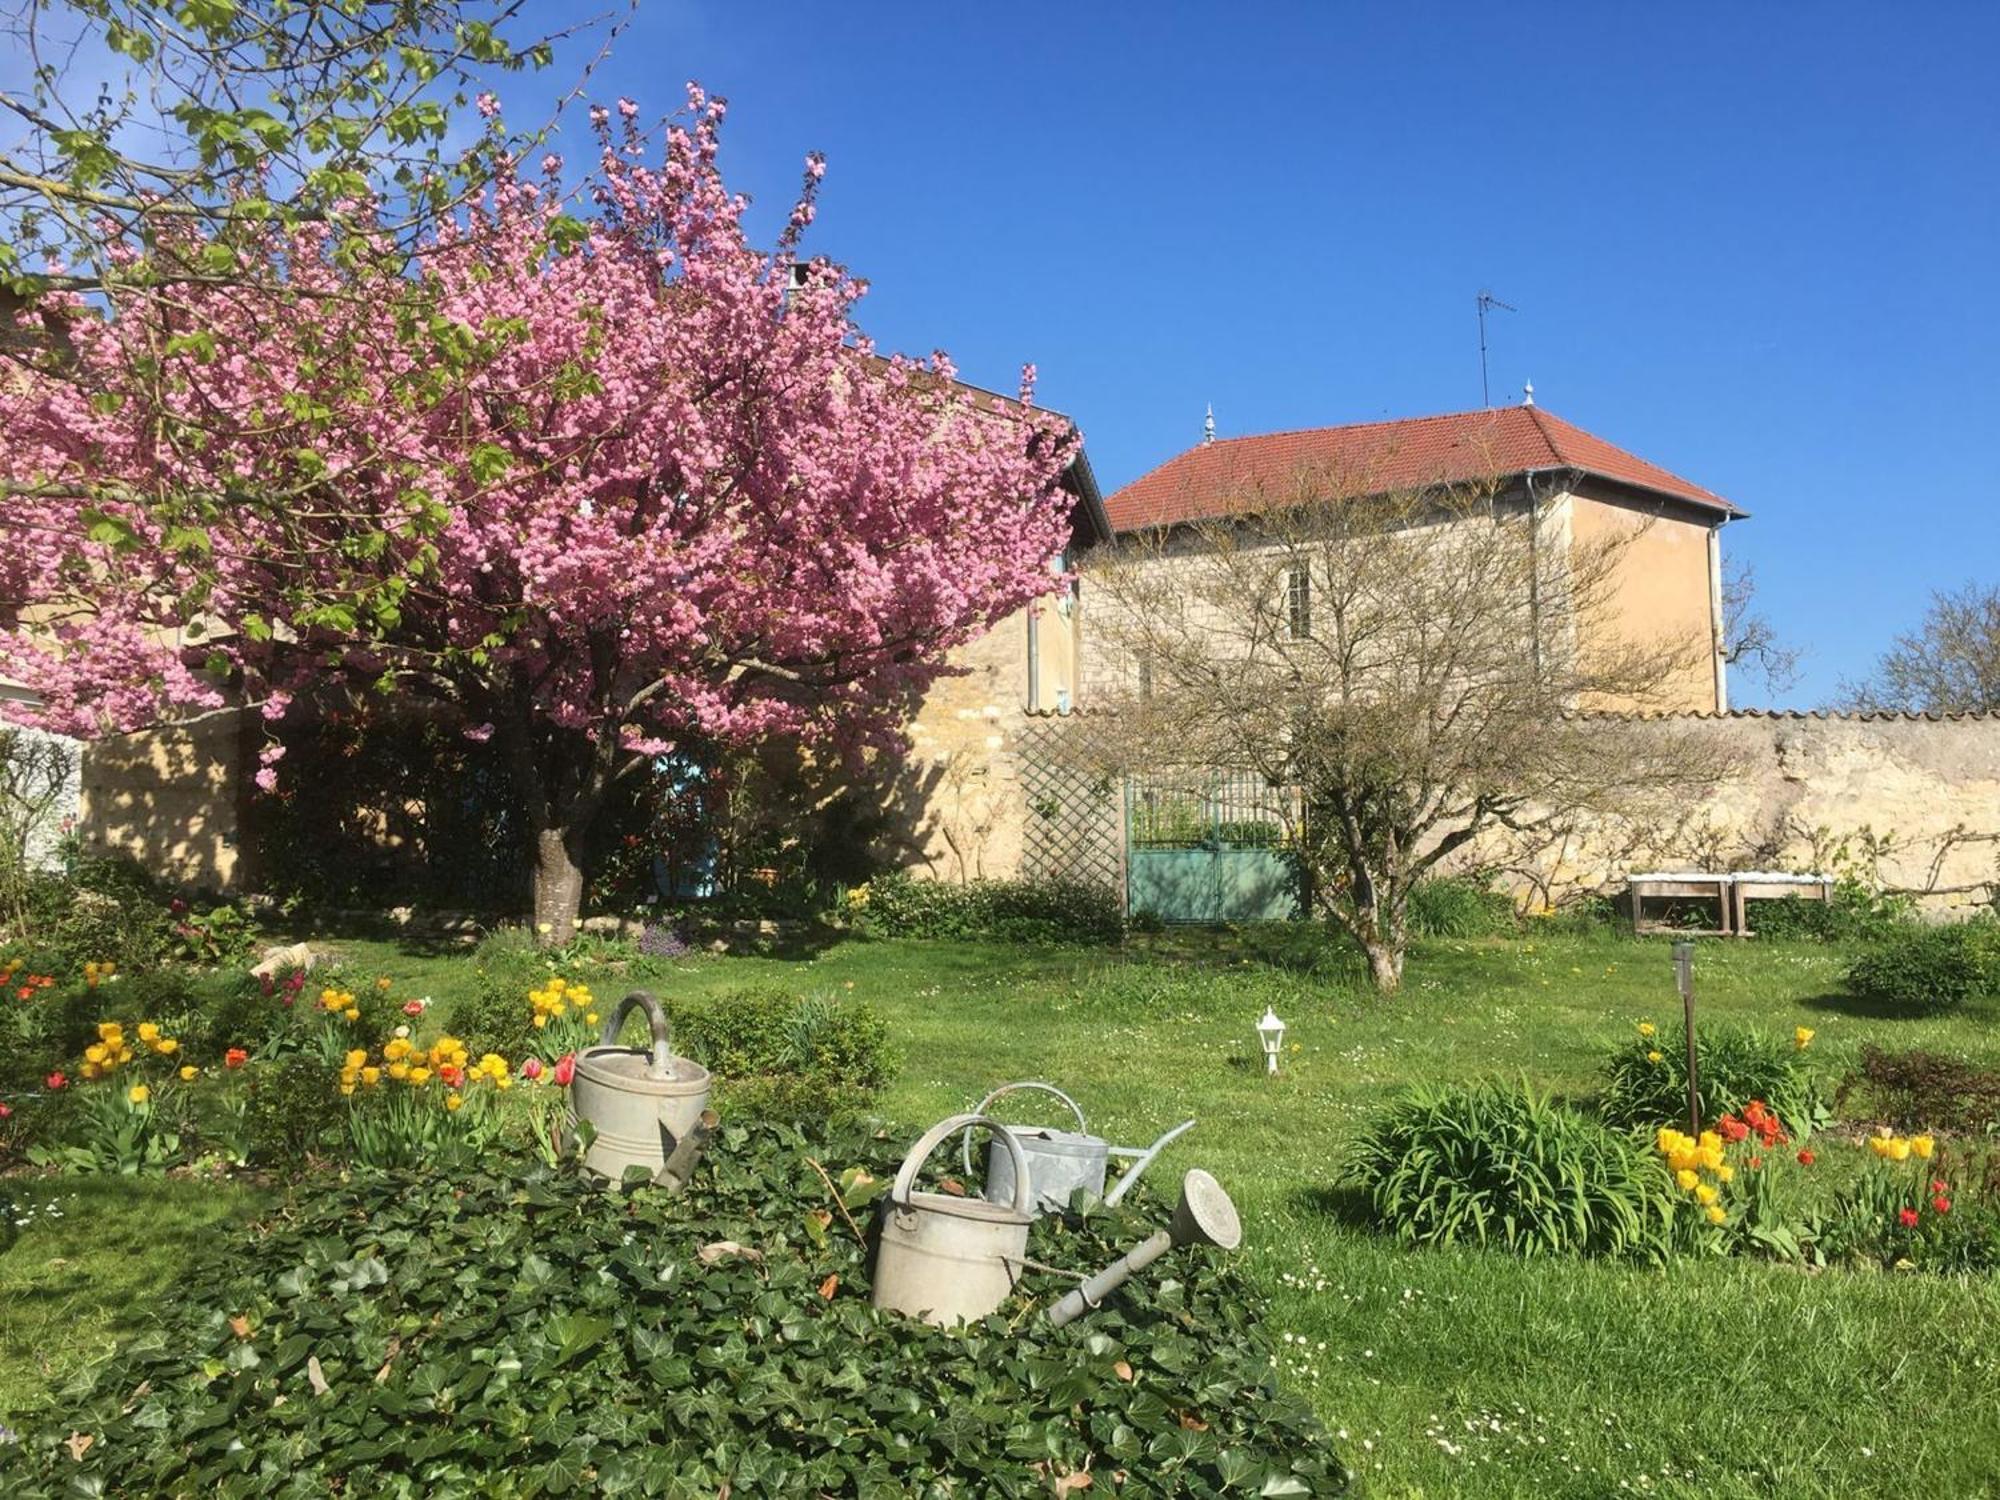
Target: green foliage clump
(1923, 969)
(97, 911)
(779, 1056)
(1855, 914)
(517, 1329)
(1459, 907)
(1920, 1090)
(1022, 911)
(1494, 1164)
(1646, 1079)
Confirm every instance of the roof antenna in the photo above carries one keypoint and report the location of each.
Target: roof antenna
(1528, 394)
(1484, 300)
(1208, 426)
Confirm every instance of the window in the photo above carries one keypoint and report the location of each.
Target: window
(1299, 601)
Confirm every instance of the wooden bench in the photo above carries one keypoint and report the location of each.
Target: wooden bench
(1731, 892)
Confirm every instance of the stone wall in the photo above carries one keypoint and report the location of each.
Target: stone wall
(170, 798)
(1908, 802)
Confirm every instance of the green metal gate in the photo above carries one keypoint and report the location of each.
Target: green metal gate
(1210, 847)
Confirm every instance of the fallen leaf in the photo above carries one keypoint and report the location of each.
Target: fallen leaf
(828, 1287)
(720, 1250)
(240, 1326)
(395, 1348)
(953, 1186)
(1080, 1480)
(1193, 1423)
(79, 1444)
(1122, 1370)
(315, 1376)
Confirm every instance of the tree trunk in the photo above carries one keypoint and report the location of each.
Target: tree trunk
(558, 888)
(1385, 965)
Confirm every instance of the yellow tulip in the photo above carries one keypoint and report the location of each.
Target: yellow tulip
(1899, 1150)
(591, 1019)
(1706, 1194)
(399, 1071)
(1652, 1057)
(1725, 1173)
(453, 1101)
(1802, 1037)
(350, 1014)
(357, 1057)
(371, 1076)
(189, 1073)
(1686, 1179)
(1922, 1145)
(138, 1093)
(166, 1046)
(96, 1052)
(1645, 1028)
(148, 1032)
(1716, 1215)
(419, 1077)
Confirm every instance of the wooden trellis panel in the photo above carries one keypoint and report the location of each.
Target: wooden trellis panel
(1075, 809)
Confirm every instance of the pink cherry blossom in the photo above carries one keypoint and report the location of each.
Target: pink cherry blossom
(594, 487)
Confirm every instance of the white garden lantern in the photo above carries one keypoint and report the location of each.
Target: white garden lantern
(1271, 1032)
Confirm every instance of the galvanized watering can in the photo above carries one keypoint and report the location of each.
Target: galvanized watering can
(942, 1258)
(648, 1108)
(1059, 1161)
(1204, 1216)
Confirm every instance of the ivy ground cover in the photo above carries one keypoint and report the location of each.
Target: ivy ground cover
(1451, 1373)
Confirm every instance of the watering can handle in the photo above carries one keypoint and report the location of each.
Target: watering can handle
(1007, 1088)
(906, 1177)
(662, 1064)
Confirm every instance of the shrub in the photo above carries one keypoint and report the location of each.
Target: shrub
(289, 1111)
(1917, 1088)
(1929, 968)
(778, 1056)
(1855, 914)
(510, 1329)
(1459, 908)
(95, 911)
(1646, 1079)
(1026, 911)
(1494, 1164)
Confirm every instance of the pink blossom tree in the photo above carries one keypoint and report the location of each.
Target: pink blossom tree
(600, 484)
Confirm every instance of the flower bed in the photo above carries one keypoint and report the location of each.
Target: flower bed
(425, 1335)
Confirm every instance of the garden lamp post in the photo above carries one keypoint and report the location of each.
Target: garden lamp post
(1271, 1032)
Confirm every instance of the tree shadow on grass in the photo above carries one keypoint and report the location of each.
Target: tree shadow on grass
(1347, 1206)
(1869, 1008)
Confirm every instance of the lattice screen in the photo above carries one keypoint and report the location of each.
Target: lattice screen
(1075, 809)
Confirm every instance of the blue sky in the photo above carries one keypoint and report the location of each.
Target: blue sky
(1758, 244)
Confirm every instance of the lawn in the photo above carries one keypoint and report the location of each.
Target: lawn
(1449, 1373)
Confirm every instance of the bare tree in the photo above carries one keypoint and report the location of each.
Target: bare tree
(1750, 643)
(1950, 665)
(35, 776)
(1427, 668)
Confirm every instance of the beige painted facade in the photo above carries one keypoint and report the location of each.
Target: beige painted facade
(1668, 586)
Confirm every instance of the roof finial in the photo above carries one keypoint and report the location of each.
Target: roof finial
(1528, 394)
(1208, 426)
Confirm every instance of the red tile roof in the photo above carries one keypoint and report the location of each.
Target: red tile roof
(1380, 457)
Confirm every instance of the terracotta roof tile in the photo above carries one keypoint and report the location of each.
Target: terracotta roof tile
(1379, 457)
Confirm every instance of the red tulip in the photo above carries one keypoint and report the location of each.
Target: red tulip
(565, 1069)
(1908, 1217)
(235, 1057)
(1941, 1203)
(1939, 1185)
(6, 1111)
(532, 1068)
(56, 1081)
(1806, 1158)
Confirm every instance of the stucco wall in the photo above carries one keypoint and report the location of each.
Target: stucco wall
(1663, 587)
(169, 797)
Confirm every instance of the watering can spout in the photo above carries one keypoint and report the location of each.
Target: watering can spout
(1143, 1159)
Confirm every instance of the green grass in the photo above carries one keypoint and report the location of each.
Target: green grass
(95, 1254)
(1458, 1373)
